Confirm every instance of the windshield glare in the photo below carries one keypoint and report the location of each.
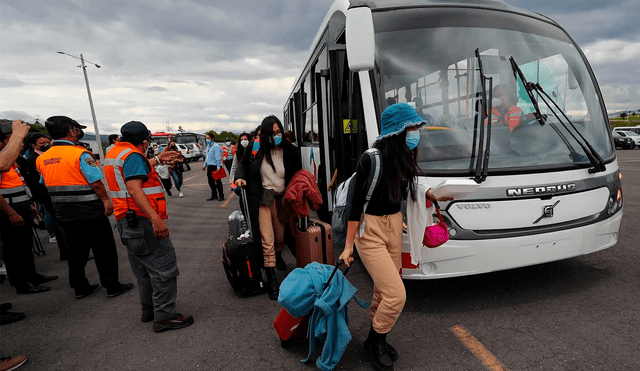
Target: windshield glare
(435, 70)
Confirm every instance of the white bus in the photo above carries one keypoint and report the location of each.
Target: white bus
(549, 189)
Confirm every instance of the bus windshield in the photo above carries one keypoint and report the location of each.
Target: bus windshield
(427, 57)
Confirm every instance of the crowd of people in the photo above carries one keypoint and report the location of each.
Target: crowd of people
(65, 179)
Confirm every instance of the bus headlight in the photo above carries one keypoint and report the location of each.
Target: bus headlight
(615, 202)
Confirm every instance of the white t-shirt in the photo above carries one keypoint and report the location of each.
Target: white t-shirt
(163, 171)
(273, 180)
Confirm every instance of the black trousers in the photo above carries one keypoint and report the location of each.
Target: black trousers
(216, 185)
(95, 235)
(17, 244)
(166, 183)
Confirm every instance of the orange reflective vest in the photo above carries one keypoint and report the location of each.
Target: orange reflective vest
(60, 169)
(122, 201)
(233, 151)
(12, 186)
(225, 152)
(511, 118)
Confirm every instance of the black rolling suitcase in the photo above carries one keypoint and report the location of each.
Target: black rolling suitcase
(241, 256)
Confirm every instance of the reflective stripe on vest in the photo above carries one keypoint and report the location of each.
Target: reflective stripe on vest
(118, 189)
(60, 169)
(12, 187)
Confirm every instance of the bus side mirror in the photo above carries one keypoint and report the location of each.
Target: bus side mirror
(360, 39)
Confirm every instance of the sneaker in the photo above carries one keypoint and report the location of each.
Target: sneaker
(53, 239)
(9, 364)
(87, 291)
(3, 270)
(120, 289)
(177, 322)
(180, 195)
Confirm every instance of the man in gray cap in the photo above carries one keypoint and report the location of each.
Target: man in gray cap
(82, 206)
(140, 209)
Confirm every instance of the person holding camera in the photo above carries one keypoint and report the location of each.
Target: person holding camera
(140, 209)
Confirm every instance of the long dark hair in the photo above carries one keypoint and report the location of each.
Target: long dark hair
(397, 156)
(266, 137)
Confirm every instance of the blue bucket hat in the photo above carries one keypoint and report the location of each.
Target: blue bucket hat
(396, 118)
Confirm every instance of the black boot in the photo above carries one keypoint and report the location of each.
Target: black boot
(280, 263)
(272, 282)
(376, 346)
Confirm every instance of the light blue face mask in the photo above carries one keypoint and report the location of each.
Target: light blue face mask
(277, 139)
(413, 138)
(256, 146)
(208, 141)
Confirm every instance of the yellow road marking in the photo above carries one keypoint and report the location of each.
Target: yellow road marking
(226, 202)
(476, 347)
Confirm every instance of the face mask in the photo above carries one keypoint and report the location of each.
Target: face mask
(228, 143)
(80, 134)
(244, 143)
(208, 141)
(256, 146)
(413, 138)
(277, 139)
(45, 147)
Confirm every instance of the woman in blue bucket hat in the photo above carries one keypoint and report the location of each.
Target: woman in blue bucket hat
(379, 243)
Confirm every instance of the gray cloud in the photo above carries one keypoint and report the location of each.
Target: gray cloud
(224, 64)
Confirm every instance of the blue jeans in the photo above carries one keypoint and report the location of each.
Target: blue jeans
(177, 179)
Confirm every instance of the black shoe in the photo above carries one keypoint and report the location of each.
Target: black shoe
(221, 198)
(280, 263)
(83, 293)
(169, 193)
(5, 307)
(376, 346)
(212, 198)
(43, 279)
(146, 317)
(112, 292)
(272, 283)
(177, 322)
(10, 317)
(31, 288)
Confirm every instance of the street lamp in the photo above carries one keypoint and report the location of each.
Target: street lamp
(86, 80)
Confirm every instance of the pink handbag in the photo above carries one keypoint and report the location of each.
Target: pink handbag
(437, 234)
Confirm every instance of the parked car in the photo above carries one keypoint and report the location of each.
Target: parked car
(187, 153)
(622, 141)
(196, 153)
(633, 135)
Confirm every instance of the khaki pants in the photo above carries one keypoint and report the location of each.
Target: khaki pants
(272, 232)
(380, 250)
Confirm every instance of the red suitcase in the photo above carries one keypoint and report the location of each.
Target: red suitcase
(314, 242)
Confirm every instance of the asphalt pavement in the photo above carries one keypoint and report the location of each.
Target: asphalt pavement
(576, 314)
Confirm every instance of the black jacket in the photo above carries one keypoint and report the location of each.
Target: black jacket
(249, 170)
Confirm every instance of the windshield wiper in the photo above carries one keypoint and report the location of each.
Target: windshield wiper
(482, 165)
(592, 155)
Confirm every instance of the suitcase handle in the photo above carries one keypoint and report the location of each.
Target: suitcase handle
(247, 218)
(337, 266)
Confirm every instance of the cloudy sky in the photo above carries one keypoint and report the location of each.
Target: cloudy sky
(223, 65)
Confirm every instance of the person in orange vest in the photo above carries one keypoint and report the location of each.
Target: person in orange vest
(82, 205)
(15, 227)
(506, 112)
(140, 209)
(9, 151)
(228, 151)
